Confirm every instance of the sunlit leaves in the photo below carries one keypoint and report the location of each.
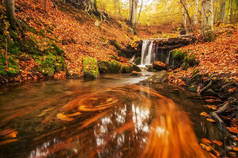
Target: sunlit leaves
(63, 117)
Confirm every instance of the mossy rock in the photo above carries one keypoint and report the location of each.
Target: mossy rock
(12, 69)
(90, 68)
(115, 44)
(126, 68)
(138, 60)
(49, 64)
(184, 59)
(109, 66)
(209, 36)
(136, 68)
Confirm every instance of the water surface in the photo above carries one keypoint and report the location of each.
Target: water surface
(116, 116)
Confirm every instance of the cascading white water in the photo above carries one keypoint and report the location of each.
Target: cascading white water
(147, 53)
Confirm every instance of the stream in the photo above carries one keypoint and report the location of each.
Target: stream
(116, 116)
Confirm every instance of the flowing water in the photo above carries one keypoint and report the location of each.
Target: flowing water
(116, 116)
(147, 53)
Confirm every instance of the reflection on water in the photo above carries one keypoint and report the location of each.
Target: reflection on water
(110, 122)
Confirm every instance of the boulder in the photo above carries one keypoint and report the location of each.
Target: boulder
(159, 66)
(90, 68)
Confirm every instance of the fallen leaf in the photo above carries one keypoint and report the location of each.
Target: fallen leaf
(233, 129)
(7, 141)
(231, 90)
(12, 134)
(206, 147)
(213, 107)
(74, 114)
(204, 114)
(212, 155)
(206, 141)
(219, 143)
(211, 120)
(63, 117)
(234, 148)
(109, 100)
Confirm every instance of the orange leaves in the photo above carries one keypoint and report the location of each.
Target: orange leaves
(207, 145)
(231, 90)
(213, 100)
(206, 141)
(204, 114)
(63, 117)
(9, 136)
(219, 143)
(233, 129)
(211, 120)
(213, 107)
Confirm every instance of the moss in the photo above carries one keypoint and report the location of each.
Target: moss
(54, 49)
(49, 64)
(90, 68)
(12, 67)
(183, 59)
(109, 66)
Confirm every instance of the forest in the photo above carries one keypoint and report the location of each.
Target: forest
(118, 78)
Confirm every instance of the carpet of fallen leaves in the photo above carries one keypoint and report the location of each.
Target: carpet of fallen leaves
(76, 32)
(219, 58)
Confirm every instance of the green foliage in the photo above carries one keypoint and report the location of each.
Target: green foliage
(90, 68)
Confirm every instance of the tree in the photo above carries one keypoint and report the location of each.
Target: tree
(186, 14)
(207, 20)
(10, 7)
(141, 6)
(196, 12)
(133, 11)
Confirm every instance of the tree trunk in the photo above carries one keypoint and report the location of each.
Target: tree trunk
(185, 10)
(196, 12)
(10, 7)
(116, 7)
(141, 6)
(45, 5)
(133, 11)
(222, 11)
(207, 20)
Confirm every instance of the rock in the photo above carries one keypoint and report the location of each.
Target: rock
(109, 66)
(134, 73)
(126, 68)
(90, 68)
(136, 68)
(161, 77)
(158, 65)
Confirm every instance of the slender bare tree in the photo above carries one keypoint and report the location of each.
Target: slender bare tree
(141, 6)
(207, 20)
(10, 7)
(133, 11)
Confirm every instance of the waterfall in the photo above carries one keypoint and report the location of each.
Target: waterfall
(147, 53)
